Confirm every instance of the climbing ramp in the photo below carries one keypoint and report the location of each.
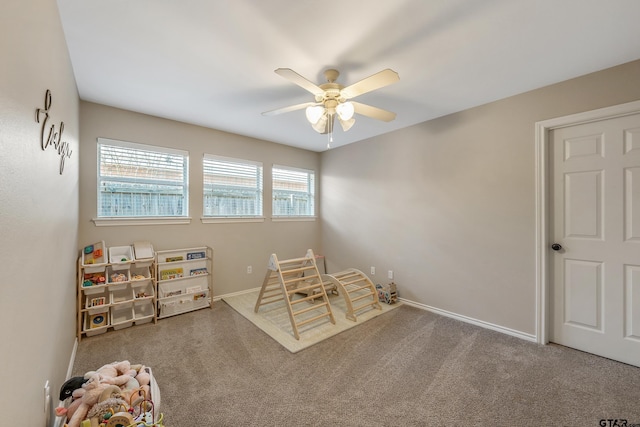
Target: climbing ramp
(358, 290)
(289, 279)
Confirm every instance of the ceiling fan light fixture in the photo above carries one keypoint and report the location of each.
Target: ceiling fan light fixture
(320, 125)
(346, 124)
(345, 110)
(314, 113)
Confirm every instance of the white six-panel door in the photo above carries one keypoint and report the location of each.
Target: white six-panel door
(595, 218)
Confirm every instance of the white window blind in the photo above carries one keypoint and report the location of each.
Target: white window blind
(293, 191)
(232, 187)
(136, 180)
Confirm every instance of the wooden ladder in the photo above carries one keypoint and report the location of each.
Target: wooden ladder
(285, 279)
(354, 286)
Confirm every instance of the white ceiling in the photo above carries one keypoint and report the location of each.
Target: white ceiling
(212, 62)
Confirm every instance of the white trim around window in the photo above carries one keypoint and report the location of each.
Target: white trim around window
(293, 194)
(232, 190)
(140, 184)
(122, 221)
(293, 218)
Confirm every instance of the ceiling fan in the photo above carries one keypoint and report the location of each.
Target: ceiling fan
(333, 100)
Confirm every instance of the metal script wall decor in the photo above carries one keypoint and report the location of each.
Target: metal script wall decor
(54, 138)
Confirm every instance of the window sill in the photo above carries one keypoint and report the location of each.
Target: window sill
(114, 221)
(293, 218)
(230, 219)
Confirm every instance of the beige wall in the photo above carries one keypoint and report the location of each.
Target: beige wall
(236, 245)
(449, 204)
(38, 211)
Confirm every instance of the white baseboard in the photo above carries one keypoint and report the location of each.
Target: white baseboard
(508, 331)
(73, 359)
(58, 421)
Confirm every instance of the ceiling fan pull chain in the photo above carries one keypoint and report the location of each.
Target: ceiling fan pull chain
(330, 124)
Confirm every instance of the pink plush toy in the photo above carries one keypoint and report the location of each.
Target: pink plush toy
(118, 373)
(143, 377)
(93, 391)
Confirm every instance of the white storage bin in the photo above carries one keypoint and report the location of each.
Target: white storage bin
(121, 294)
(115, 276)
(95, 324)
(120, 257)
(143, 253)
(94, 257)
(94, 279)
(143, 289)
(154, 391)
(92, 290)
(143, 312)
(138, 272)
(121, 316)
(97, 303)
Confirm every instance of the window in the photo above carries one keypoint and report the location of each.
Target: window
(136, 180)
(231, 187)
(293, 192)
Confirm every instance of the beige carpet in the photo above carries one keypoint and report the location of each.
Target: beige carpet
(273, 319)
(408, 367)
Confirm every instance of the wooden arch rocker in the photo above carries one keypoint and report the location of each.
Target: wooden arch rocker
(354, 286)
(285, 279)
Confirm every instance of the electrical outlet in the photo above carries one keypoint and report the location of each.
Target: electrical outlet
(373, 271)
(390, 274)
(249, 269)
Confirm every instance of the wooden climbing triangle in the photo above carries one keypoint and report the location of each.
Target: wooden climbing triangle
(355, 287)
(286, 281)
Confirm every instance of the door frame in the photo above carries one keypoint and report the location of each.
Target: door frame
(542, 190)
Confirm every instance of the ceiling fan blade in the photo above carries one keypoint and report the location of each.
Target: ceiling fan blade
(287, 109)
(376, 81)
(373, 112)
(296, 78)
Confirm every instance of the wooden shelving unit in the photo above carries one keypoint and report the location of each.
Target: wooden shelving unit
(114, 295)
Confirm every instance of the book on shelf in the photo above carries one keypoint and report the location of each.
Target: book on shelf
(198, 271)
(172, 273)
(196, 255)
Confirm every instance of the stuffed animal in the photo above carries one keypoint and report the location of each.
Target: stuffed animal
(118, 373)
(143, 377)
(75, 403)
(93, 390)
(69, 386)
(118, 380)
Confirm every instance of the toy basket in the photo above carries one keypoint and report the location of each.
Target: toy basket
(139, 410)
